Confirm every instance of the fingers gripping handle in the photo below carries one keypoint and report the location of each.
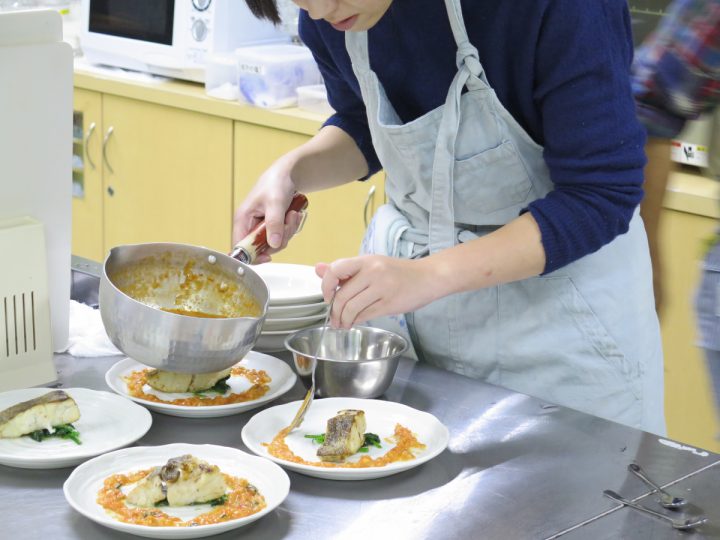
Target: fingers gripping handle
(255, 243)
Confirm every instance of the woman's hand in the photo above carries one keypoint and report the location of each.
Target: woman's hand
(269, 200)
(331, 158)
(373, 285)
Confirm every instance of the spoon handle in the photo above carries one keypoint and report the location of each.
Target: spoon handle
(637, 471)
(619, 498)
(305, 405)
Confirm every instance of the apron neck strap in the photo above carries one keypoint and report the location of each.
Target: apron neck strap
(467, 55)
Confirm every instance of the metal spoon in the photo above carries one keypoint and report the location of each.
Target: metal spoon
(680, 524)
(666, 500)
(305, 405)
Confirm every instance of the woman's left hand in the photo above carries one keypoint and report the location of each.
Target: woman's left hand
(371, 286)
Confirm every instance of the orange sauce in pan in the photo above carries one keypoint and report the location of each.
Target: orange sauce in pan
(243, 500)
(194, 313)
(161, 276)
(404, 439)
(259, 379)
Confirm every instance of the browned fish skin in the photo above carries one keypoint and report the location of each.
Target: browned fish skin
(344, 436)
(55, 396)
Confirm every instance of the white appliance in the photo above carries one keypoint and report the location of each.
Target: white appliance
(168, 37)
(36, 70)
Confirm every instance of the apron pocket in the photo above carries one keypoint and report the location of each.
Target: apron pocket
(555, 347)
(490, 181)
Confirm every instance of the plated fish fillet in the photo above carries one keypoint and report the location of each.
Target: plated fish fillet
(149, 491)
(182, 481)
(45, 412)
(171, 382)
(344, 436)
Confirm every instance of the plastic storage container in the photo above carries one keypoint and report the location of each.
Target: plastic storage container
(221, 76)
(314, 99)
(268, 75)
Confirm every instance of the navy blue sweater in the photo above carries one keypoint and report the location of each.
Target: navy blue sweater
(560, 67)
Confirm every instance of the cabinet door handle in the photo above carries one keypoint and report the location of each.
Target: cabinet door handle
(370, 197)
(109, 133)
(91, 130)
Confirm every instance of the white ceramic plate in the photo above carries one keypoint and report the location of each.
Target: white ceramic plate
(291, 324)
(82, 487)
(290, 283)
(296, 310)
(272, 341)
(283, 379)
(107, 422)
(380, 416)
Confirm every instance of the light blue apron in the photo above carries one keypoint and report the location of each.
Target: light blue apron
(585, 336)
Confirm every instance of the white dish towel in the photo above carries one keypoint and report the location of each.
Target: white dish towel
(87, 332)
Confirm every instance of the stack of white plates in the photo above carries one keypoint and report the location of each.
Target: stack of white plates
(296, 302)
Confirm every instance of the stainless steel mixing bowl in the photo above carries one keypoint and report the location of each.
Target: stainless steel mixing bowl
(360, 362)
(140, 281)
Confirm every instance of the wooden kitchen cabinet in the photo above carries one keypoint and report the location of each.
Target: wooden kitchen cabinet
(337, 218)
(150, 173)
(689, 406)
(87, 202)
(167, 175)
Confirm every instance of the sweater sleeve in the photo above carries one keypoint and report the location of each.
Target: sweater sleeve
(350, 115)
(594, 145)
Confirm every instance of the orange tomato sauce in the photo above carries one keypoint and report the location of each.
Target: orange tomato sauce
(260, 386)
(404, 439)
(200, 314)
(243, 500)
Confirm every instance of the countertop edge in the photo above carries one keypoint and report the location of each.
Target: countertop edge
(693, 194)
(192, 97)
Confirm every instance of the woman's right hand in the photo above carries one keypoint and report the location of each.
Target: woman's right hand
(330, 158)
(269, 200)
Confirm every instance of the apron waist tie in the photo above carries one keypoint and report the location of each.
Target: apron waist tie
(413, 243)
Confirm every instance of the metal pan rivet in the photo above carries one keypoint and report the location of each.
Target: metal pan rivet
(241, 271)
(212, 259)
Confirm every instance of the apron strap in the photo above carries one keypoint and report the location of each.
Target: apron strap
(442, 214)
(467, 54)
(356, 44)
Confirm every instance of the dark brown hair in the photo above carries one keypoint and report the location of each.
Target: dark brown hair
(264, 9)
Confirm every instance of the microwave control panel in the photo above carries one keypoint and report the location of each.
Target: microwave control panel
(201, 5)
(199, 30)
(200, 20)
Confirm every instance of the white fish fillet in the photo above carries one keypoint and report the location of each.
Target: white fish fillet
(45, 412)
(182, 481)
(149, 491)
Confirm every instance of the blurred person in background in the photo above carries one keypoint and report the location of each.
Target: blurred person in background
(676, 77)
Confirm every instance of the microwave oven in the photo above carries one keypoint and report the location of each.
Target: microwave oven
(168, 37)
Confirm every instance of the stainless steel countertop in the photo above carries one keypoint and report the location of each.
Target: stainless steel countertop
(515, 468)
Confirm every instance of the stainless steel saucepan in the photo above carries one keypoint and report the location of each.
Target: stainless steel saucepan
(181, 308)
